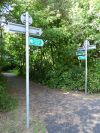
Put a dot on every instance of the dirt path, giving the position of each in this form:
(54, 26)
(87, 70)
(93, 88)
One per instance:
(59, 112)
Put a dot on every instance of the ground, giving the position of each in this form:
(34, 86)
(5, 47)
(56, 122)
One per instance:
(59, 112)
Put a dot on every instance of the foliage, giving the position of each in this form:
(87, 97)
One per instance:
(7, 102)
(14, 71)
(94, 78)
(74, 78)
(68, 79)
(66, 24)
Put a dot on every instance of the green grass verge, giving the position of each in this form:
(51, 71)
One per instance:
(7, 102)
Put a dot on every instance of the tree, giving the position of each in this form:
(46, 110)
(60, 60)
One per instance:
(66, 24)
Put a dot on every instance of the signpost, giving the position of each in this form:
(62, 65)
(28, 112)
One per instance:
(82, 55)
(26, 29)
(36, 41)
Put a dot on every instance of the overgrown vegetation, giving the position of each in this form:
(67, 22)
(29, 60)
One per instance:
(66, 24)
(7, 102)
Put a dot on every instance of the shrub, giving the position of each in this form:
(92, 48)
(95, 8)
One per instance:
(73, 78)
(94, 78)
(68, 79)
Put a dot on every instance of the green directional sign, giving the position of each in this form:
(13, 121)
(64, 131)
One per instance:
(81, 57)
(80, 53)
(36, 42)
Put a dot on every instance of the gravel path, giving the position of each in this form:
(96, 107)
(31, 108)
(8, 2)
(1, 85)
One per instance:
(59, 112)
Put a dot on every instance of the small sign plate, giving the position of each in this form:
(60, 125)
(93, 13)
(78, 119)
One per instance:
(81, 57)
(36, 42)
(80, 53)
(23, 18)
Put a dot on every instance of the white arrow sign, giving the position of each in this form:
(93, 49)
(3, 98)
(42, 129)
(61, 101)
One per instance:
(90, 47)
(13, 27)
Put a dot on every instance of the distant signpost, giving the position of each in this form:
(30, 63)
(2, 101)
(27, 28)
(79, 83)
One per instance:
(36, 42)
(82, 55)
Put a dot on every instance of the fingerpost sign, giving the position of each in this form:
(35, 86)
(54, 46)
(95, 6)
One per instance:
(26, 29)
(36, 42)
(82, 55)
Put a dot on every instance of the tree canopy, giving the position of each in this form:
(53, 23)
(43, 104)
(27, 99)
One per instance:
(66, 24)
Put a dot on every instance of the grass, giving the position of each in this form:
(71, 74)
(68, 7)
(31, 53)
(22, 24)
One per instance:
(15, 122)
(7, 102)
(14, 71)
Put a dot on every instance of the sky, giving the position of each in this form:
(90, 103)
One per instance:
(6, 8)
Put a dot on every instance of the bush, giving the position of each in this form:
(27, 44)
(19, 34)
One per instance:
(8, 67)
(73, 78)
(7, 102)
(68, 79)
(40, 70)
(94, 78)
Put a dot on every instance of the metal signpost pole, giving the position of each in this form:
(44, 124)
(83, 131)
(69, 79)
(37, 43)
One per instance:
(86, 67)
(27, 71)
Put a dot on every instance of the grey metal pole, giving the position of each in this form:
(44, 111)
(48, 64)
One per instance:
(27, 71)
(86, 67)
